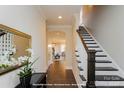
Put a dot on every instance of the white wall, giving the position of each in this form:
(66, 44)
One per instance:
(107, 26)
(28, 20)
(68, 33)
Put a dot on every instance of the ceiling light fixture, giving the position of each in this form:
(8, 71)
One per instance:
(59, 17)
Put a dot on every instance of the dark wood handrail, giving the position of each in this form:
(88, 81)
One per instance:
(91, 60)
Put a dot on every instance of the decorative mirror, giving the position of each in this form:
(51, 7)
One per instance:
(13, 44)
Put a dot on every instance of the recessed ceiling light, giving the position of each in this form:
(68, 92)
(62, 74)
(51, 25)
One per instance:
(60, 17)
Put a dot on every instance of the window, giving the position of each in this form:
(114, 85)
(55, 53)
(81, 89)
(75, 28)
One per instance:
(5, 43)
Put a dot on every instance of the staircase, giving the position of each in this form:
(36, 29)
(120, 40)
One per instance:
(107, 73)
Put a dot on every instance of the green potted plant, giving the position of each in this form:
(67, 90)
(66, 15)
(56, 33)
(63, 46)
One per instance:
(26, 73)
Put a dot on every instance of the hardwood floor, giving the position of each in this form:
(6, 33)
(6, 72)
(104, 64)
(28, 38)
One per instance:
(59, 77)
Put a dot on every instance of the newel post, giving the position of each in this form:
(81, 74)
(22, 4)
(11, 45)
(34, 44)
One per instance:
(91, 69)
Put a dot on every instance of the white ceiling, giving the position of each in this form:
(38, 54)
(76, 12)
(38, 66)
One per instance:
(66, 11)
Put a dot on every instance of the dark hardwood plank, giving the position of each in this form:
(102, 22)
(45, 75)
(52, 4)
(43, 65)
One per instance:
(59, 77)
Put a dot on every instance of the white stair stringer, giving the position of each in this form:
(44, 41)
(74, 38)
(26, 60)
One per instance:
(82, 55)
(82, 83)
(83, 58)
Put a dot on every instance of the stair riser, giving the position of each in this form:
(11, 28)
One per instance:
(108, 73)
(102, 58)
(104, 65)
(90, 42)
(94, 48)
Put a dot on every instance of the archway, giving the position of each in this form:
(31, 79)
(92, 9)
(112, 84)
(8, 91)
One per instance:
(56, 46)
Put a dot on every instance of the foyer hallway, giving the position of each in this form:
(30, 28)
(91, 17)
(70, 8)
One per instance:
(59, 77)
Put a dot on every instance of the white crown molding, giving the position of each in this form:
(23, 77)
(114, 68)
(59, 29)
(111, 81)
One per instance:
(59, 26)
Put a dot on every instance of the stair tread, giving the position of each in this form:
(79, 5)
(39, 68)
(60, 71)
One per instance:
(88, 40)
(97, 50)
(85, 34)
(82, 77)
(106, 69)
(90, 43)
(103, 61)
(78, 61)
(81, 69)
(92, 46)
(108, 78)
(100, 55)
(102, 58)
(77, 55)
(87, 37)
(76, 50)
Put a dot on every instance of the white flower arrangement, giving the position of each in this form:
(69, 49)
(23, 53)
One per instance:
(4, 62)
(29, 60)
(25, 58)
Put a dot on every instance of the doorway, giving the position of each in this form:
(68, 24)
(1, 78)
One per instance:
(56, 46)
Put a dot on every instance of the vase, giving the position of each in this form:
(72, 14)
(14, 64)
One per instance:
(25, 81)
